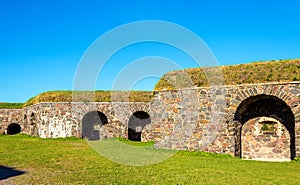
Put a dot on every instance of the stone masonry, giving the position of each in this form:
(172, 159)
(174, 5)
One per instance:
(260, 142)
(221, 119)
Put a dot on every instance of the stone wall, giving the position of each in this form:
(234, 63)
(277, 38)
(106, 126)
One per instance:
(64, 119)
(265, 139)
(9, 116)
(286, 94)
(192, 120)
(211, 118)
(208, 119)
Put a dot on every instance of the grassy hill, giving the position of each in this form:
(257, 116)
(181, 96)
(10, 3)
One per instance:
(89, 96)
(83, 96)
(256, 72)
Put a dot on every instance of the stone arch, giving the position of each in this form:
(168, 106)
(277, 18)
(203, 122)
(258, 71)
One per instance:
(264, 106)
(136, 124)
(13, 128)
(271, 89)
(265, 138)
(140, 107)
(91, 123)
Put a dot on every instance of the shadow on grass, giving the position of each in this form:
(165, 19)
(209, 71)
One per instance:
(7, 172)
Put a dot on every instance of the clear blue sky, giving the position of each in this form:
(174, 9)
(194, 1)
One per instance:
(42, 41)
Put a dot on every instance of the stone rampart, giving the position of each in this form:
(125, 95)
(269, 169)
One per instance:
(210, 119)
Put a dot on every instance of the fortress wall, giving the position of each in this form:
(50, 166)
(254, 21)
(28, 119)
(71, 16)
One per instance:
(52, 120)
(208, 118)
(288, 93)
(193, 119)
(9, 116)
(205, 118)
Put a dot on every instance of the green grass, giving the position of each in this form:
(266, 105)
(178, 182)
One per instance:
(91, 96)
(73, 161)
(256, 72)
(4, 105)
(134, 143)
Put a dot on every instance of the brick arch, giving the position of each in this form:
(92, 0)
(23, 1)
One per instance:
(268, 106)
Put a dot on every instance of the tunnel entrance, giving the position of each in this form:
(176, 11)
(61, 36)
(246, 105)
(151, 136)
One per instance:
(266, 139)
(91, 123)
(13, 128)
(279, 126)
(136, 124)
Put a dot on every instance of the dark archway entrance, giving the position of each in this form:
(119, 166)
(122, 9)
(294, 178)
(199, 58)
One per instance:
(136, 124)
(13, 128)
(264, 106)
(91, 123)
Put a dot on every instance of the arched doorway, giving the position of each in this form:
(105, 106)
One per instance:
(264, 106)
(136, 124)
(91, 123)
(13, 128)
(265, 138)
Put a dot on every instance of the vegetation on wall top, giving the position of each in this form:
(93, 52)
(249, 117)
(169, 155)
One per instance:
(4, 105)
(256, 72)
(91, 96)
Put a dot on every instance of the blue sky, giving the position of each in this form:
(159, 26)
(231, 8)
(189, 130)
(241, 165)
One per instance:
(43, 41)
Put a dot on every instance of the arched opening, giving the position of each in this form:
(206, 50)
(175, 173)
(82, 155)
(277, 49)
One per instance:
(13, 128)
(136, 124)
(91, 123)
(265, 138)
(257, 107)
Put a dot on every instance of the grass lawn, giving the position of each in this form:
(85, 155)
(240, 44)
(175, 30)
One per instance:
(73, 161)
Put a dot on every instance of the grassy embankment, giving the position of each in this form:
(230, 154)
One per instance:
(97, 96)
(256, 72)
